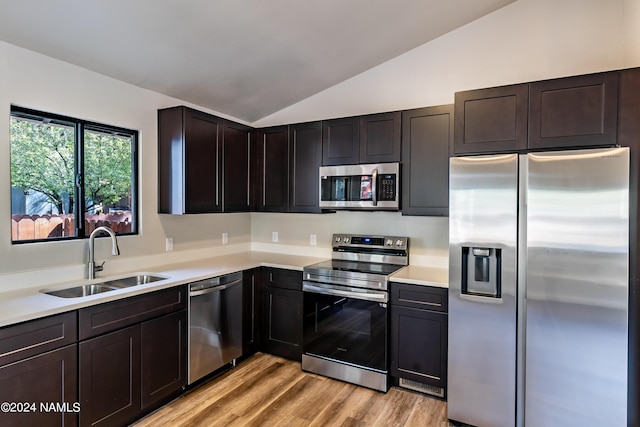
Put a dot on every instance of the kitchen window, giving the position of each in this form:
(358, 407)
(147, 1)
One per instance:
(69, 176)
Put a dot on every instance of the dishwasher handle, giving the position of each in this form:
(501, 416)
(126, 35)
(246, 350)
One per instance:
(214, 288)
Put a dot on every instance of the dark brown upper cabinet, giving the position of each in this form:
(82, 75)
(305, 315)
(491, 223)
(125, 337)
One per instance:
(272, 159)
(380, 137)
(574, 111)
(427, 135)
(189, 161)
(491, 120)
(236, 170)
(341, 141)
(305, 149)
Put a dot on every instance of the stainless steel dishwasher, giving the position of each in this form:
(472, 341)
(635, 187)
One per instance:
(215, 324)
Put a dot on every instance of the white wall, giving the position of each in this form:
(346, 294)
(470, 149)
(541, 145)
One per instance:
(524, 41)
(36, 81)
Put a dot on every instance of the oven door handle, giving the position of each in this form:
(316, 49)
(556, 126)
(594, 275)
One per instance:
(362, 294)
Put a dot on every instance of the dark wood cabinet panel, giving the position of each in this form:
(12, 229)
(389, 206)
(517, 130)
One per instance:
(272, 189)
(37, 336)
(50, 377)
(491, 120)
(574, 111)
(281, 278)
(110, 378)
(189, 151)
(236, 170)
(252, 311)
(341, 141)
(419, 328)
(103, 318)
(163, 354)
(421, 297)
(306, 157)
(427, 135)
(380, 137)
(418, 346)
(282, 313)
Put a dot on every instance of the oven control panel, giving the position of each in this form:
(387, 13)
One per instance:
(379, 242)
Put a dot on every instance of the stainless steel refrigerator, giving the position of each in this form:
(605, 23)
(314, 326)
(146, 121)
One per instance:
(538, 289)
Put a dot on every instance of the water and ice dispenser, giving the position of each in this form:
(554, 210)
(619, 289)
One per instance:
(481, 268)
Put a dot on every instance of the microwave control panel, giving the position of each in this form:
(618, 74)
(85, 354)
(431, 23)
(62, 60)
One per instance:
(387, 187)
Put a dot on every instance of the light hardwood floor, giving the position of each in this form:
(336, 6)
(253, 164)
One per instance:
(266, 390)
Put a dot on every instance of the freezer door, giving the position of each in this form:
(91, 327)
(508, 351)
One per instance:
(577, 288)
(483, 227)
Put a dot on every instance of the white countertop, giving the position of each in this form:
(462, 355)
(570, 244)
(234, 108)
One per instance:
(29, 304)
(426, 276)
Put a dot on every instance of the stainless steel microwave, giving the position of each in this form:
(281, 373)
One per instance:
(367, 187)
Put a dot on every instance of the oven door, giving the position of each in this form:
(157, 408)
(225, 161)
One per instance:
(347, 325)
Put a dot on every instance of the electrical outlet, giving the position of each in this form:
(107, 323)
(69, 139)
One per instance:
(313, 239)
(225, 238)
(274, 236)
(169, 244)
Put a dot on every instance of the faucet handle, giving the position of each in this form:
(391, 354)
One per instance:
(99, 267)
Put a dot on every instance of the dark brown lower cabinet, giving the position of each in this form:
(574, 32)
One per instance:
(163, 349)
(419, 337)
(110, 378)
(41, 390)
(282, 313)
(127, 372)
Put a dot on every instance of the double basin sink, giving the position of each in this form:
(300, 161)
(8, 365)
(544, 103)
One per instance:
(84, 290)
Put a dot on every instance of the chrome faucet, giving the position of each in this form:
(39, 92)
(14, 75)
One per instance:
(115, 251)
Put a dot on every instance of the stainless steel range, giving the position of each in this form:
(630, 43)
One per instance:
(345, 309)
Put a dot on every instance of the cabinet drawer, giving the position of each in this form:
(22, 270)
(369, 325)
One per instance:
(114, 315)
(37, 336)
(418, 296)
(280, 278)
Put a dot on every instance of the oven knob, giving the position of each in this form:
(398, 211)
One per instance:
(346, 239)
(399, 242)
(389, 242)
(338, 239)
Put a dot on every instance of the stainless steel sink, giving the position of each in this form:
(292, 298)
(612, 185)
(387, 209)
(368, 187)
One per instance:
(106, 286)
(140, 279)
(82, 291)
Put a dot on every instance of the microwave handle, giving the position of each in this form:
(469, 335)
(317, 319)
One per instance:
(374, 187)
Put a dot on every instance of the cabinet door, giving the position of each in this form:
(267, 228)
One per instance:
(491, 120)
(341, 141)
(236, 171)
(283, 323)
(419, 345)
(110, 378)
(380, 137)
(44, 379)
(273, 166)
(306, 157)
(251, 311)
(163, 346)
(427, 135)
(202, 151)
(574, 111)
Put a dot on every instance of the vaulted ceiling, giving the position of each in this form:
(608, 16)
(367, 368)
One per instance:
(244, 58)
